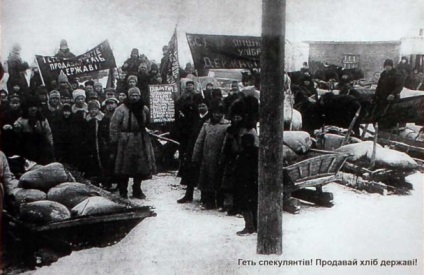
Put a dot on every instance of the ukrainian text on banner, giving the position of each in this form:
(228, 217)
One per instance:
(224, 52)
(99, 58)
(162, 107)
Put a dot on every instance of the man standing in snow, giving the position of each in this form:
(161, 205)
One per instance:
(388, 90)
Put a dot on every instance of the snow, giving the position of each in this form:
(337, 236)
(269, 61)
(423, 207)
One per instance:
(183, 239)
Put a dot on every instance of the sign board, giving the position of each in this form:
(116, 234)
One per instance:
(162, 106)
(97, 59)
(224, 51)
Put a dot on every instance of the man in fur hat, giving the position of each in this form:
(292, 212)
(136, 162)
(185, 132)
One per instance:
(131, 64)
(233, 95)
(134, 155)
(64, 51)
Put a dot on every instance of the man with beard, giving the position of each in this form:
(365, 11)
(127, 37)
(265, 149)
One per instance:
(133, 149)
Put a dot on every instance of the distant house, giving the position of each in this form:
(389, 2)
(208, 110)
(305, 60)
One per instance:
(368, 56)
(413, 48)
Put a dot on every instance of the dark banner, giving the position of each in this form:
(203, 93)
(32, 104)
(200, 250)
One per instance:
(224, 52)
(99, 58)
(162, 107)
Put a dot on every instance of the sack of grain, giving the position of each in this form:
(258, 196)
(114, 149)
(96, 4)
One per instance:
(96, 205)
(43, 212)
(392, 159)
(358, 151)
(70, 193)
(298, 141)
(44, 178)
(29, 195)
(330, 141)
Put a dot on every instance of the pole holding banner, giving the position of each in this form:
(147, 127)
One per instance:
(39, 71)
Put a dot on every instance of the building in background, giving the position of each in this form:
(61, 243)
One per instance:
(368, 56)
(412, 47)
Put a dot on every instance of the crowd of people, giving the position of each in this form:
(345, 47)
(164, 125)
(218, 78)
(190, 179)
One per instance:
(103, 132)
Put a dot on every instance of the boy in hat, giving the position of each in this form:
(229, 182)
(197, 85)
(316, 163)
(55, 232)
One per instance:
(109, 106)
(96, 136)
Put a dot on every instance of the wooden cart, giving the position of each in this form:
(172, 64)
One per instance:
(320, 168)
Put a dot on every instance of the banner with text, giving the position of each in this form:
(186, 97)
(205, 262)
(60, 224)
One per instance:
(162, 107)
(224, 52)
(99, 58)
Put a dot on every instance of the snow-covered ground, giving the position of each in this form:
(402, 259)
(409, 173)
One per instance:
(183, 239)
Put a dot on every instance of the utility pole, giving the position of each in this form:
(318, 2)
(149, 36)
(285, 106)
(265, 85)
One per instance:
(270, 197)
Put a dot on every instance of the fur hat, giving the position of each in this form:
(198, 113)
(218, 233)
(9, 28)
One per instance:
(93, 104)
(98, 84)
(42, 90)
(133, 77)
(154, 67)
(238, 108)
(16, 48)
(209, 84)
(63, 44)
(54, 94)
(77, 93)
(93, 95)
(62, 77)
(190, 81)
(134, 90)
(134, 51)
(388, 62)
(89, 83)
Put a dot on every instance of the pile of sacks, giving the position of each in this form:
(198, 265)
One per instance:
(295, 144)
(50, 194)
(361, 154)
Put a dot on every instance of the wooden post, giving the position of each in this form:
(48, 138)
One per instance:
(272, 121)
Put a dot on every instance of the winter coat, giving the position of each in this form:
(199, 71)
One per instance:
(62, 139)
(77, 126)
(188, 170)
(134, 152)
(54, 117)
(207, 152)
(9, 139)
(390, 82)
(229, 100)
(65, 53)
(231, 148)
(131, 65)
(16, 69)
(96, 145)
(246, 179)
(36, 142)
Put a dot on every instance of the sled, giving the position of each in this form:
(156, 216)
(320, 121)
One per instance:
(76, 233)
(318, 169)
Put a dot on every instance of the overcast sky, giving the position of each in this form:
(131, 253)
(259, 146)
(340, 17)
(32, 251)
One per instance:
(39, 25)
